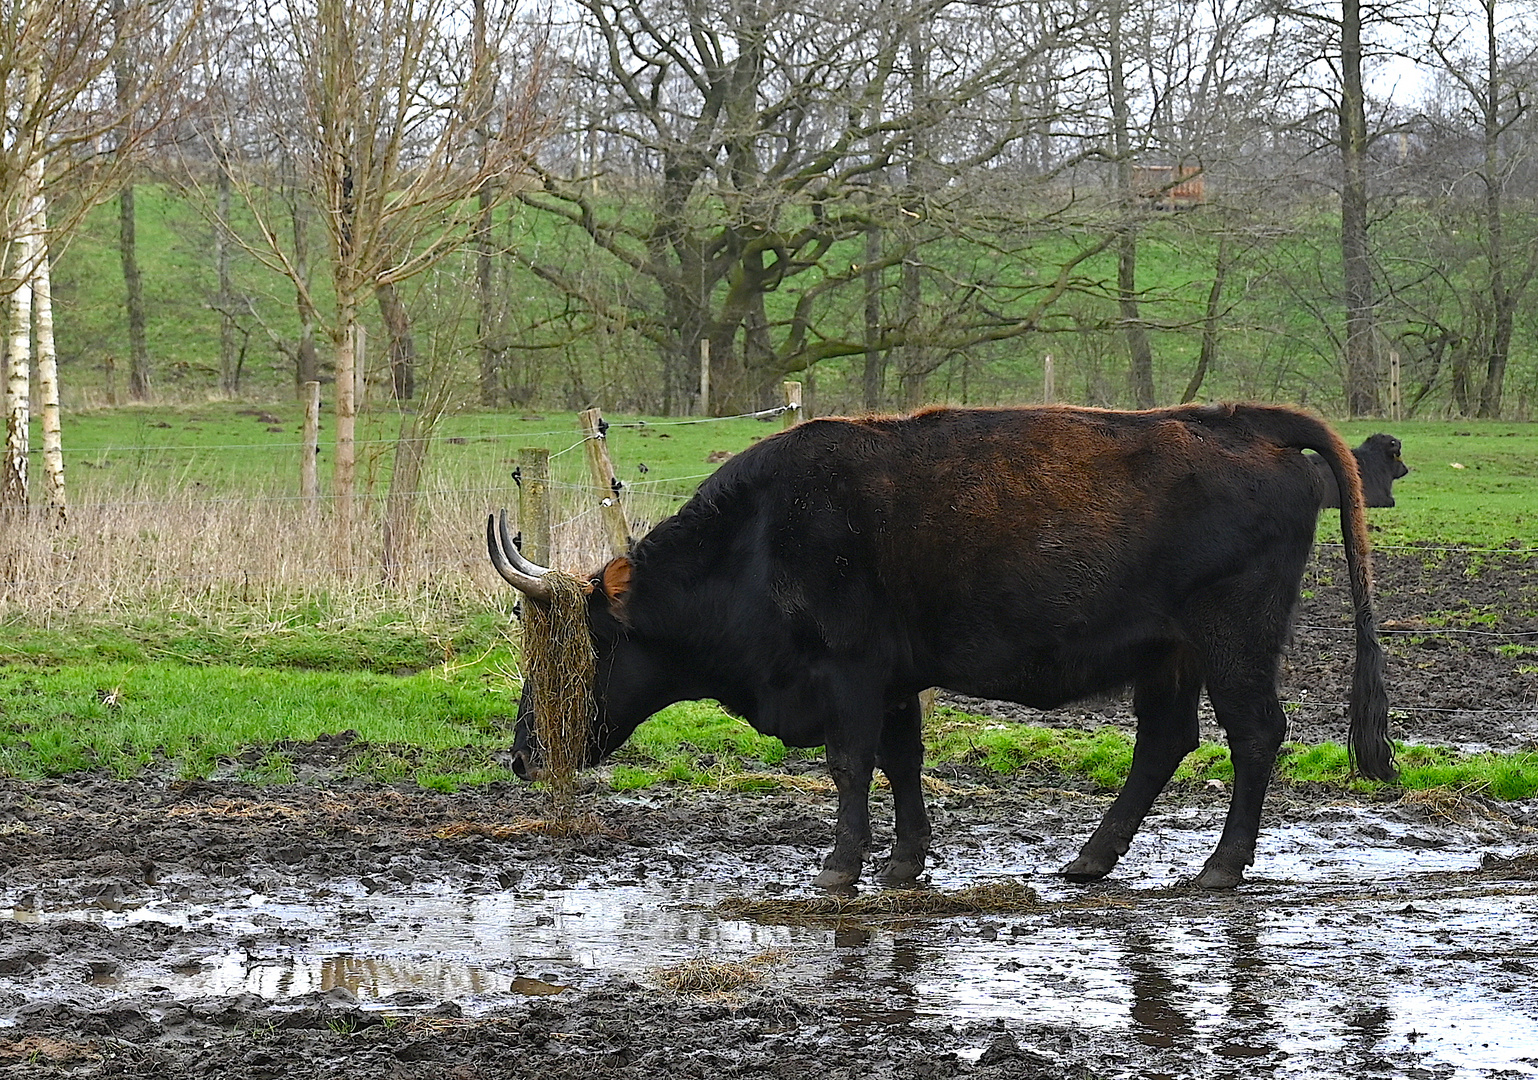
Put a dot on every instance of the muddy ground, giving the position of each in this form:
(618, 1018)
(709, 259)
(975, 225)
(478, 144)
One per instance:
(338, 928)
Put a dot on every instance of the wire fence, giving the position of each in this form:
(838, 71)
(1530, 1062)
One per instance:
(180, 542)
(181, 526)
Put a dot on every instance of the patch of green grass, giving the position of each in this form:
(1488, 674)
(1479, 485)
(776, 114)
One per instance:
(219, 448)
(1497, 776)
(304, 635)
(696, 742)
(1471, 482)
(441, 730)
(1483, 615)
(121, 717)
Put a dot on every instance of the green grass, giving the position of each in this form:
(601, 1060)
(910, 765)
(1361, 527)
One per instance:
(439, 727)
(227, 687)
(1491, 501)
(306, 636)
(225, 447)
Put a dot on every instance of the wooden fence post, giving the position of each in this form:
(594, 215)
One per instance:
(602, 470)
(534, 503)
(792, 414)
(704, 376)
(1048, 381)
(309, 453)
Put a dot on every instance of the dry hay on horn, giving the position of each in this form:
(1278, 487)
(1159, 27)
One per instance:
(1005, 897)
(561, 666)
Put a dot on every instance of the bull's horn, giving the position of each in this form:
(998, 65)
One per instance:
(517, 571)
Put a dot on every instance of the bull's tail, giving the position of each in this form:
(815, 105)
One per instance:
(1372, 752)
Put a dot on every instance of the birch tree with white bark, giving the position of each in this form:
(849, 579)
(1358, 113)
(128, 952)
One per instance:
(56, 110)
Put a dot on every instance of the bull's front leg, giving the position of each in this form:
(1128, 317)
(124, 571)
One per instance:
(851, 759)
(902, 759)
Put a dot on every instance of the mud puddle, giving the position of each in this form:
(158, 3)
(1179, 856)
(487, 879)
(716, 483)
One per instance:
(1361, 937)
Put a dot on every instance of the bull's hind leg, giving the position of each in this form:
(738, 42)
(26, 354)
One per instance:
(1166, 732)
(901, 757)
(1252, 717)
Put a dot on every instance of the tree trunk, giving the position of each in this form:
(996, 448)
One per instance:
(306, 358)
(875, 360)
(1210, 323)
(47, 360)
(486, 307)
(1459, 377)
(1361, 317)
(229, 372)
(403, 348)
(1139, 350)
(139, 381)
(486, 320)
(914, 363)
(1502, 304)
(18, 390)
(25, 247)
(344, 464)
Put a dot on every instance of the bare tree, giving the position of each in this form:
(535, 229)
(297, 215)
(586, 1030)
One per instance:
(125, 83)
(1497, 94)
(1139, 349)
(392, 98)
(749, 144)
(54, 58)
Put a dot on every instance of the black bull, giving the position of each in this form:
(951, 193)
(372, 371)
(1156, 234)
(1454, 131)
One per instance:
(822, 578)
(1378, 461)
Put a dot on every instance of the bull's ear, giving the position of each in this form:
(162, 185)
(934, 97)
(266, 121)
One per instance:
(615, 579)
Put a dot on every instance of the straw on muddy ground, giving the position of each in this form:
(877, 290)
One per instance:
(1457, 805)
(561, 666)
(1522, 867)
(702, 975)
(1005, 897)
(572, 826)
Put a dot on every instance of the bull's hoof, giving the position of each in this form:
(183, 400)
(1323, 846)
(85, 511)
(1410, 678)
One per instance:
(834, 879)
(1085, 869)
(1219, 878)
(899, 870)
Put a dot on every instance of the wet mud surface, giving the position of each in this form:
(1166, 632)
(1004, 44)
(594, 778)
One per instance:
(341, 928)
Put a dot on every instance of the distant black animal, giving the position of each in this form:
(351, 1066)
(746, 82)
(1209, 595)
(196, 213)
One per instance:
(1379, 463)
(823, 577)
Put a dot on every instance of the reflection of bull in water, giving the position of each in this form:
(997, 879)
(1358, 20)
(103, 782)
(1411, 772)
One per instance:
(1379, 463)
(823, 577)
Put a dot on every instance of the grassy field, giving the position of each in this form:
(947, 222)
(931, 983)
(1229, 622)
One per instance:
(1471, 482)
(190, 618)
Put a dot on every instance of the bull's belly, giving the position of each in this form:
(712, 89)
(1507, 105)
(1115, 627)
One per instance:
(1050, 681)
(1043, 694)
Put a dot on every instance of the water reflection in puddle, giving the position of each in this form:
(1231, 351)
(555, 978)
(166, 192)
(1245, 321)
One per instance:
(1356, 969)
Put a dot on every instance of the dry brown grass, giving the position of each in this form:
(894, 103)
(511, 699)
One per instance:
(242, 809)
(259, 554)
(705, 976)
(578, 826)
(1455, 805)
(1005, 897)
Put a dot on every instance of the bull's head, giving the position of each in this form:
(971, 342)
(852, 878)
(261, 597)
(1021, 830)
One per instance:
(625, 690)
